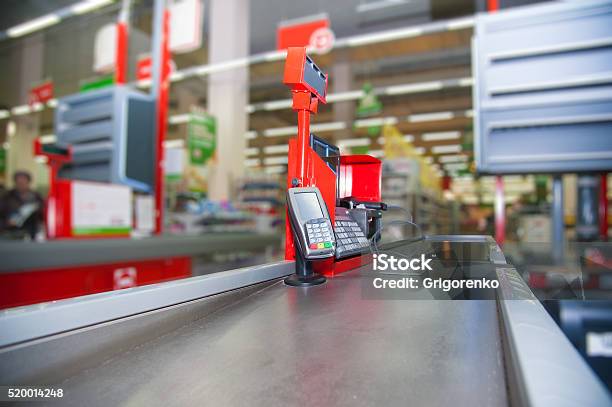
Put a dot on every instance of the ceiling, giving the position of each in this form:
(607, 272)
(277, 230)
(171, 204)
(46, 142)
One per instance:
(431, 57)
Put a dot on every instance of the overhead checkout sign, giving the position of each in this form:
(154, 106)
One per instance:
(543, 89)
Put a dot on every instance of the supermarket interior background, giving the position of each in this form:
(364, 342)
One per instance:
(140, 147)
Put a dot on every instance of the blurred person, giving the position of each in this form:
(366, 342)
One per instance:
(21, 208)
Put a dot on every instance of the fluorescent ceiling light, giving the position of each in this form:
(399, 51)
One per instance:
(455, 166)
(428, 160)
(280, 131)
(466, 82)
(345, 96)
(37, 107)
(276, 149)
(179, 118)
(469, 113)
(453, 148)
(251, 151)
(276, 160)
(419, 150)
(177, 76)
(4, 114)
(252, 162)
(88, 5)
(176, 143)
(429, 117)
(413, 88)
(331, 126)
(33, 25)
(223, 66)
(274, 55)
(442, 135)
(278, 169)
(19, 110)
(461, 23)
(390, 35)
(376, 121)
(354, 142)
(277, 104)
(48, 139)
(407, 137)
(453, 158)
(250, 135)
(202, 70)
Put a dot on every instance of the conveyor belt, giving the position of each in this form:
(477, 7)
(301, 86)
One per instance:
(321, 346)
(273, 345)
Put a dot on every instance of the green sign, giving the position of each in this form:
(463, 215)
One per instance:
(2, 160)
(97, 83)
(360, 150)
(201, 137)
(369, 105)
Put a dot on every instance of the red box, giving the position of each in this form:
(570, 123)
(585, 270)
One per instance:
(360, 178)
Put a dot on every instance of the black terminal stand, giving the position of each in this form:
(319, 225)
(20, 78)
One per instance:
(304, 275)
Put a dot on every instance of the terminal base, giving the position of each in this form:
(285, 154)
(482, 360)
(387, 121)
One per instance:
(304, 275)
(295, 280)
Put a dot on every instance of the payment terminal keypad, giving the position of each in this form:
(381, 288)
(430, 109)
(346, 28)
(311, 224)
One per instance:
(350, 239)
(319, 234)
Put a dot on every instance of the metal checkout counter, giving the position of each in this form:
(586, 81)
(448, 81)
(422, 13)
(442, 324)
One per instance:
(266, 336)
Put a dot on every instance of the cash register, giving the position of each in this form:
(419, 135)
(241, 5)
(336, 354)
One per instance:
(333, 200)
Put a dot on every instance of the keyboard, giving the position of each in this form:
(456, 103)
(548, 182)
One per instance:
(319, 234)
(350, 239)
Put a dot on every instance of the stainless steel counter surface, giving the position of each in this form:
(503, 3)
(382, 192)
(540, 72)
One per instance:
(319, 346)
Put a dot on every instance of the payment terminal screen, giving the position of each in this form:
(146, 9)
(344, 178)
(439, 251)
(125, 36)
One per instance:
(308, 205)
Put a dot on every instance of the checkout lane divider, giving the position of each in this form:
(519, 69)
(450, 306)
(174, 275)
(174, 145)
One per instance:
(23, 324)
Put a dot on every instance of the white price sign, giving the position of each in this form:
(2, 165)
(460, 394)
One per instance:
(100, 209)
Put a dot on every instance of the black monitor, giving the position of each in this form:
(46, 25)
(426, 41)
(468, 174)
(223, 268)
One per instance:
(328, 152)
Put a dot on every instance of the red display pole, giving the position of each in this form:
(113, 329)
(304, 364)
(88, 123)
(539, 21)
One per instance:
(162, 123)
(302, 141)
(305, 104)
(121, 53)
(603, 207)
(121, 50)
